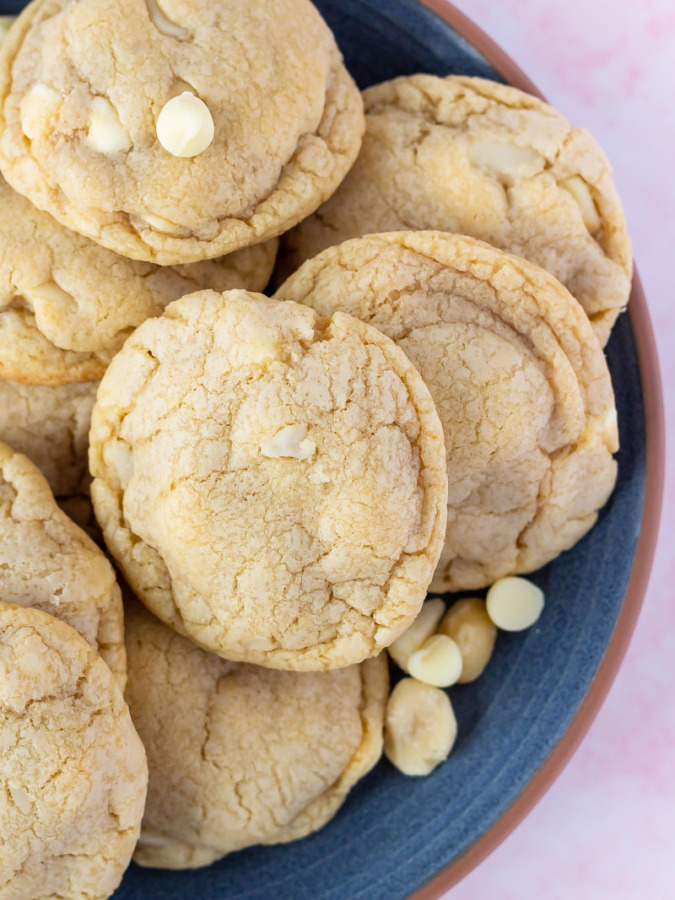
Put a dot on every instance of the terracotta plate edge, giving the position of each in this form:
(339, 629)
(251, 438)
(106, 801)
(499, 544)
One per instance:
(654, 484)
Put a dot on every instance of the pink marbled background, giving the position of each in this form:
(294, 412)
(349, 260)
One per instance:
(606, 829)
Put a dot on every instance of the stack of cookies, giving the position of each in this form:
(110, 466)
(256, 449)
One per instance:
(279, 481)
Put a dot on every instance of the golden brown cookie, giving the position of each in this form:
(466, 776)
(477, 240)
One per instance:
(240, 755)
(272, 484)
(475, 157)
(73, 773)
(174, 132)
(519, 380)
(47, 562)
(50, 425)
(67, 305)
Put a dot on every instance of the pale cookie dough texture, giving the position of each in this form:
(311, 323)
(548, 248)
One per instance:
(272, 484)
(475, 157)
(241, 755)
(73, 773)
(518, 377)
(47, 562)
(67, 305)
(50, 425)
(82, 86)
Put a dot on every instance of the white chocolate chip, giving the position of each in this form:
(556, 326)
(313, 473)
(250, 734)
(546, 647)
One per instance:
(47, 292)
(506, 161)
(159, 223)
(420, 727)
(578, 188)
(318, 476)
(514, 603)
(163, 23)
(260, 352)
(106, 134)
(291, 441)
(438, 661)
(185, 126)
(417, 633)
(6, 23)
(39, 110)
(118, 456)
(19, 795)
(31, 664)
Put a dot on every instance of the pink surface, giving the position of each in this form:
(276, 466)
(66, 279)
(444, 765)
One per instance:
(606, 829)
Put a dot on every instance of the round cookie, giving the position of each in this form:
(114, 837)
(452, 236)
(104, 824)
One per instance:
(238, 754)
(174, 132)
(272, 484)
(50, 425)
(73, 773)
(47, 562)
(474, 157)
(519, 380)
(67, 305)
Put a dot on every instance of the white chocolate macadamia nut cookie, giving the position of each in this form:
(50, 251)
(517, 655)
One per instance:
(67, 305)
(50, 425)
(474, 157)
(238, 754)
(271, 483)
(520, 383)
(173, 132)
(73, 773)
(47, 562)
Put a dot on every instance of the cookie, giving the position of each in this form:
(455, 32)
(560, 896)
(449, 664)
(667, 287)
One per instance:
(475, 157)
(47, 562)
(272, 484)
(50, 425)
(6, 23)
(67, 305)
(519, 380)
(73, 773)
(176, 132)
(238, 754)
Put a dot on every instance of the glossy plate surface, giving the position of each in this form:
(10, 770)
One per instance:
(520, 722)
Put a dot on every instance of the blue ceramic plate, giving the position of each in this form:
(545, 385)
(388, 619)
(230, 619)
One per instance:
(396, 833)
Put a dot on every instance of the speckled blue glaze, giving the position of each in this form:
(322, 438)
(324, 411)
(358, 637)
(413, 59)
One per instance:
(394, 833)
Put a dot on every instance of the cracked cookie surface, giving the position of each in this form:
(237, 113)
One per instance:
(50, 425)
(272, 484)
(238, 754)
(82, 86)
(73, 773)
(67, 305)
(518, 377)
(48, 563)
(474, 157)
